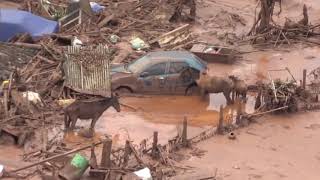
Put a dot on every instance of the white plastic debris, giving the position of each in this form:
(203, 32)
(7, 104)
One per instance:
(96, 7)
(32, 97)
(1, 170)
(144, 174)
(76, 42)
(138, 44)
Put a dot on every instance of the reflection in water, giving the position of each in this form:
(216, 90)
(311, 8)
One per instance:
(159, 113)
(172, 109)
(77, 137)
(262, 66)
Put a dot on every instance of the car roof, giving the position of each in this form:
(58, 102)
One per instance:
(171, 54)
(186, 56)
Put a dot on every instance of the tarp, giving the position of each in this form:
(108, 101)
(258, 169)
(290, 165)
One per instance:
(96, 7)
(15, 21)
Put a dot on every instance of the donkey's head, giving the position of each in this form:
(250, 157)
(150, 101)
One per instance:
(115, 102)
(233, 78)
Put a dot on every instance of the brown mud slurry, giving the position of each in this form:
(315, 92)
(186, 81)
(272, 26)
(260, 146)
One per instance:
(76, 138)
(172, 109)
(163, 114)
(277, 147)
(282, 147)
(9, 156)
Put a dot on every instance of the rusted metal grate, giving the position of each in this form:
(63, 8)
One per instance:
(87, 70)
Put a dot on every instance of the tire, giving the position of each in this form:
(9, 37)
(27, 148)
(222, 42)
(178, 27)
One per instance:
(123, 91)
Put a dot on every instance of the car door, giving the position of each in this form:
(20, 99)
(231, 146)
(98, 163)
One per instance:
(175, 83)
(153, 78)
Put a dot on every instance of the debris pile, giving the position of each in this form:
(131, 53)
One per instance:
(266, 30)
(278, 94)
(149, 159)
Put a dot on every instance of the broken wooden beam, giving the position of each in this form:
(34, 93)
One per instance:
(27, 45)
(106, 152)
(127, 152)
(55, 157)
(266, 112)
(154, 152)
(133, 150)
(220, 123)
(304, 79)
(238, 117)
(184, 133)
(105, 20)
(6, 102)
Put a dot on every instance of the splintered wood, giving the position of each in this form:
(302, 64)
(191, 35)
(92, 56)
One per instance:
(266, 29)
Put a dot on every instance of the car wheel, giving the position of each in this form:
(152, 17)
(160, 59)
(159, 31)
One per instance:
(123, 91)
(193, 91)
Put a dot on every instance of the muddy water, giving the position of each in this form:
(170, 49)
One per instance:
(160, 113)
(296, 60)
(9, 156)
(164, 113)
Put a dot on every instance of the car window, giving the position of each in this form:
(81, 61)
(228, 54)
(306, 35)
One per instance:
(157, 69)
(138, 65)
(177, 67)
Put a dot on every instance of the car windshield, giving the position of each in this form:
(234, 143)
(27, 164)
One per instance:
(137, 65)
(203, 63)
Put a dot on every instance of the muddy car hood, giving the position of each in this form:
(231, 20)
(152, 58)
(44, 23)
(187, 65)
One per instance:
(119, 68)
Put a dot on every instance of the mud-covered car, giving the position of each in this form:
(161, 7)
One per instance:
(156, 73)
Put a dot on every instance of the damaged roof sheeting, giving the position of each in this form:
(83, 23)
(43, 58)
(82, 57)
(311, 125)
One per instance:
(14, 21)
(12, 57)
(87, 70)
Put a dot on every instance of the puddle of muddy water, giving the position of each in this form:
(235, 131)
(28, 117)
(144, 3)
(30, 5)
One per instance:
(131, 126)
(160, 113)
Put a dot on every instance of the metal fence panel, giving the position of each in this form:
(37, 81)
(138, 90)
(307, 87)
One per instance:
(87, 70)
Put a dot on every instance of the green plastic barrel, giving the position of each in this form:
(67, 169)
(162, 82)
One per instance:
(75, 168)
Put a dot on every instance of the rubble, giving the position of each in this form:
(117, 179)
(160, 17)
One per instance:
(265, 29)
(215, 53)
(44, 74)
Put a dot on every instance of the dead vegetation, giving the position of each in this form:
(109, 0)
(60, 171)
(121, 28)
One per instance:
(265, 29)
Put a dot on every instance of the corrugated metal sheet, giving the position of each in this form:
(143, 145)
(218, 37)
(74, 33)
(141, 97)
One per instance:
(87, 70)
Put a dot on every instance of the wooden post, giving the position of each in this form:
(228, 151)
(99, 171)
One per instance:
(6, 102)
(127, 151)
(93, 162)
(184, 132)
(220, 125)
(106, 152)
(258, 100)
(54, 157)
(154, 152)
(304, 80)
(93, 158)
(238, 118)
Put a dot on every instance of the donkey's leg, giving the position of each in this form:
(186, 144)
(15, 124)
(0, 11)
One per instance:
(66, 121)
(203, 94)
(93, 123)
(73, 120)
(233, 94)
(227, 96)
(244, 96)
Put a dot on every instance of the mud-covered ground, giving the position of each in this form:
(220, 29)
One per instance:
(283, 147)
(277, 147)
